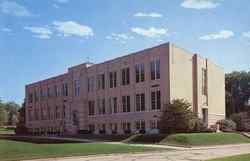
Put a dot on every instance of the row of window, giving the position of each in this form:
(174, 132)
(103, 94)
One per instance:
(125, 76)
(55, 91)
(125, 80)
(126, 104)
(46, 114)
(139, 126)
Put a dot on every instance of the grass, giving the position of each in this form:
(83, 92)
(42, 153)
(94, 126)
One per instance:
(14, 150)
(204, 139)
(145, 138)
(244, 157)
(6, 131)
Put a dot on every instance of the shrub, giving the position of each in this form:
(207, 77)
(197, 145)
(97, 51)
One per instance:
(200, 126)
(238, 119)
(178, 117)
(227, 125)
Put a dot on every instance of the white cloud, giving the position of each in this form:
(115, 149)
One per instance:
(122, 36)
(246, 34)
(71, 28)
(223, 34)
(150, 32)
(62, 1)
(40, 32)
(5, 29)
(13, 8)
(200, 4)
(119, 37)
(152, 14)
(55, 6)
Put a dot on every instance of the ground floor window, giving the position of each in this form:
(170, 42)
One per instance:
(140, 126)
(126, 127)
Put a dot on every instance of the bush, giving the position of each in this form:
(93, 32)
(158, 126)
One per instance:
(200, 126)
(145, 138)
(227, 125)
(178, 117)
(238, 119)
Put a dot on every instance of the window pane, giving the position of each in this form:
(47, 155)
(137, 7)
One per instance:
(153, 100)
(157, 69)
(152, 68)
(158, 99)
(142, 102)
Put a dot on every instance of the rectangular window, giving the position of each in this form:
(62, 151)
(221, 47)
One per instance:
(140, 102)
(56, 91)
(204, 82)
(126, 127)
(140, 125)
(101, 81)
(48, 93)
(156, 100)
(77, 87)
(30, 97)
(155, 69)
(126, 103)
(125, 76)
(36, 96)
(91, 105)
(91, 84)
(65, 89)
(139, 73)
(112, 79)
(101, 106)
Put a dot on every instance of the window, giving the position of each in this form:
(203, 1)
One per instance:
(204, 82)
(139, 73)
(77, 87)
(41, 95)
(112, 79)
(30, 115)
(156, 100)
(112, 105)
(48, 92)
(125, 76)
(140, 125)
(30, 97)
(65, 89)
(75, 118)
(102, 129)
(113, 128)
(56, 91)
(126, 127)
(36, 96)
(126, 103)
(100, 81)
(140, 102)
(91, 84)
(155, 69)
(101, 106)
(92, 128)
(91, 105)
(57, 112)
(154, 124)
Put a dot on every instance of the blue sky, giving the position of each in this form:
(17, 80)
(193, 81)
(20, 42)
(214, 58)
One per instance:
(42, 38)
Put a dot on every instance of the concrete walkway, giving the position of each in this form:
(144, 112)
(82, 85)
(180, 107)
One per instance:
(191, 154)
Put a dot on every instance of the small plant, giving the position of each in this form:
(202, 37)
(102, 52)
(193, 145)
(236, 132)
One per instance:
(178, 117)
(227, 125)
(238, 119)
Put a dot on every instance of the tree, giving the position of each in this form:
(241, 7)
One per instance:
(178, 117)
(12, 109)
(3, 116)
(237, 92)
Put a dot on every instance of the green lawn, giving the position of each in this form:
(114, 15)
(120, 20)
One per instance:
(245, 157)
(204, 139)
(6, 131)
(13, 150)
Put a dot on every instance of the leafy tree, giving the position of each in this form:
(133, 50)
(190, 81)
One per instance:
(8, 113)
(237, 92)
(178, 117)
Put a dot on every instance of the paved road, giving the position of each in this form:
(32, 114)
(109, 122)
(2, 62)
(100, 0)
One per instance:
(197, 154)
